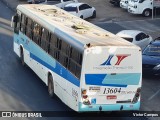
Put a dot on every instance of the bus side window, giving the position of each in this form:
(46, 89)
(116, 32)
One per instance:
(76, 56)
(69, 51)
(72, 66)
(78, 71)
(75, 62)
(66, 48)
(80, 56)
(63, 59)
(53, 40)
(37, 34)
(23, 24)
(53, 47)
(29, 27)
(45, 40)
(58, 43)
(54, 52)
(65, 53)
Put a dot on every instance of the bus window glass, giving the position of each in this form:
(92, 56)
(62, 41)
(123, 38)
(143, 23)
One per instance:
(37, 34)
(64, 47)
(53, 40)
(63, 59)
(45, 40)
(76, 56)
(29, 26)
(72, 66)
(54, 52)
(78, 71)
(23, 24)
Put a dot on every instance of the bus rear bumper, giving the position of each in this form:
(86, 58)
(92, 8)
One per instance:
(109, 107)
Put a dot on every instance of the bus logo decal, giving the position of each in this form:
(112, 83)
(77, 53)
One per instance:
(120, 58)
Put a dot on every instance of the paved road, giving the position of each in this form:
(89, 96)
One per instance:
(150, 26)
(22, 90)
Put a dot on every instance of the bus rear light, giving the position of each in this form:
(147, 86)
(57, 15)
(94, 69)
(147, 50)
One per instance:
(86, 102)
(84, 92)
(85, 96)
(136, 96)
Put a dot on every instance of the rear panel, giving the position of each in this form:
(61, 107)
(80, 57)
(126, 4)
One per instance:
(111, 79)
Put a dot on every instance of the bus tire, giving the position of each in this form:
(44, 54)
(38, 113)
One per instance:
(50, 85)
(147, 13)
(22, 56)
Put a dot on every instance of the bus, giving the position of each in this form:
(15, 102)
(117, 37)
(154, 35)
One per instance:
(87, 67)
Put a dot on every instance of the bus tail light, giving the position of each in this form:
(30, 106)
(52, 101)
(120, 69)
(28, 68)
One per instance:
(136, 96)
(85, 98)
(84, 92)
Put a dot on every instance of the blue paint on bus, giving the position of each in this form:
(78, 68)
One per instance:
(42, 57)
(117, 80)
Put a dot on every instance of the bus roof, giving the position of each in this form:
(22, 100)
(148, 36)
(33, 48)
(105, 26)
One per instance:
(76, 30)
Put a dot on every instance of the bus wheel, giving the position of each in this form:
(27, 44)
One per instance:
(147, 12)
(22, 56)
(50, 86)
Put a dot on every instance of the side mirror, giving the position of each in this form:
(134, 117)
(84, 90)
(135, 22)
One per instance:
(14, 20)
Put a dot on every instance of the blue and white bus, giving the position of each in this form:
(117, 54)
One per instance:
(88, 68)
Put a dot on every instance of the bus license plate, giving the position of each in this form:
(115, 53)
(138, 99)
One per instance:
(111, 97)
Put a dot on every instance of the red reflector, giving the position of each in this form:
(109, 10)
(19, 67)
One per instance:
(109, 97)
(85, 96)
